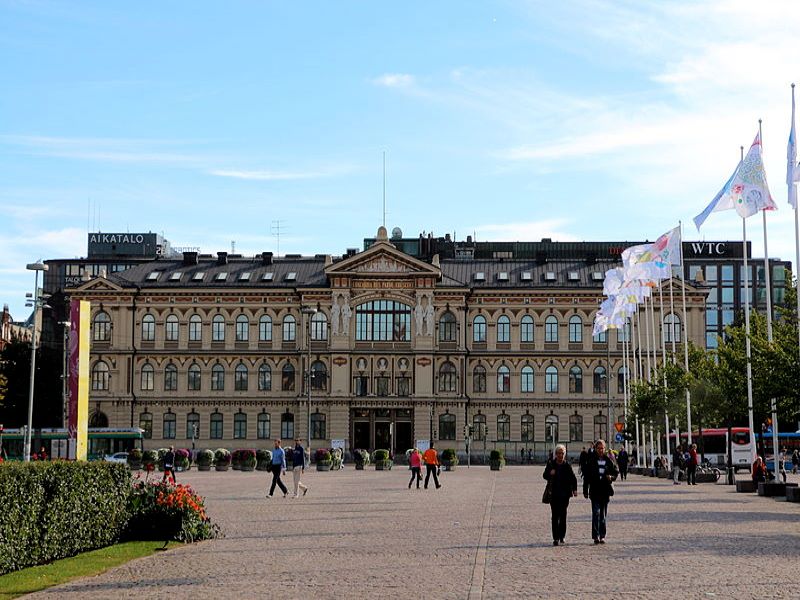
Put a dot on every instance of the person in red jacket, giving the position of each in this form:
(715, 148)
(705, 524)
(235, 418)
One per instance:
(431, 458)
(415, 462)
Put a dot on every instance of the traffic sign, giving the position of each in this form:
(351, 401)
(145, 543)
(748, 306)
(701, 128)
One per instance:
(618, 437)
(619, 427)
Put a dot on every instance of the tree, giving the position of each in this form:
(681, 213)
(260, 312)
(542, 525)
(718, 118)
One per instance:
(15, 370)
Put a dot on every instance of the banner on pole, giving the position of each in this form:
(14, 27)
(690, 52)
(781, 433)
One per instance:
(78, 413)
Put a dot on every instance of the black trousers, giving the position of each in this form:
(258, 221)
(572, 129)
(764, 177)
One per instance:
(623, 472)
(415, 474)
(558, 521)
(431, 469)
(691, 472)
(276, 480)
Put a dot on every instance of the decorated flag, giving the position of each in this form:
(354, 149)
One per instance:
(653, 261)
(746, 191)
(792, 170)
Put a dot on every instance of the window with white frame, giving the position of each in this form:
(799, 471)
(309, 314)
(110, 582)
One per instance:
(265, 329)
(551, 329)
(503, 330)
(242, 328)
(526, 330)
(218, 328)
(171, 329)
(148, 328)
(479, 329)
(551, 380)
(526, 379)
(195, 328)
(575, 329)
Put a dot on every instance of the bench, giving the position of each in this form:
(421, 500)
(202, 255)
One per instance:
(793, 494)
(746, 486)
(774, 488)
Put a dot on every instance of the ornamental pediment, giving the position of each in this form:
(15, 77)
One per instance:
(98, 284)
(382, 264)
(382, 259)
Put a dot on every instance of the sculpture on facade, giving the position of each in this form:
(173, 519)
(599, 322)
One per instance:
(335, 311)
(346, 314)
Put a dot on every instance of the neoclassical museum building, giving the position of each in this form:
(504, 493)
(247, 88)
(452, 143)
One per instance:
(218, 350)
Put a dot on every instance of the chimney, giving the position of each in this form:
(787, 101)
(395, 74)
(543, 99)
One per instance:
(266, 258)
(222, 258)
(328, 260)
(189, 258)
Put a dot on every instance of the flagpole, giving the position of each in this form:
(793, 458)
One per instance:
(747, 342)
(664, 363)
(626, 329)
(647, 339)
(639, 344)
(672, 310)
(685, 344)
(638, 445)
(791, 169)
(653, 330)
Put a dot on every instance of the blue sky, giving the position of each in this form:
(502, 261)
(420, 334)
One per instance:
(208, 121)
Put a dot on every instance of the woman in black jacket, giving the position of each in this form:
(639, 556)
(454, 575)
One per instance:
(601, 471)
(563, 486)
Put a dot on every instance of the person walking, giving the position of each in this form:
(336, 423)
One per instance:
(691, 466)
(677, 463)
(431, 458)
(415, 462)
(795, 460)
(782, 464)
(622, 463)
(597, 485)
(299, 468)
(563, 485)
(169, 465)
(278, 467)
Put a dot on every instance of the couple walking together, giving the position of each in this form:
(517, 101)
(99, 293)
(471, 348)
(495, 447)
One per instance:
(431, 460)
(598, 473)
(278, 468)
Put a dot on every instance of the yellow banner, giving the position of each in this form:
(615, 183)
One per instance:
(83, 381)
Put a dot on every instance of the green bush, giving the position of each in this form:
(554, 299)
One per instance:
(380, 455)
(150, 457)
(323, 456)
(222, 456)
(135, 456)
(448, 454)
(496, 455)
(263, 455)
(52, 510)
(247, 457)
(204, 457)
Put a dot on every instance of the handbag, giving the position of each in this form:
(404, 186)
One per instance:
(547, 496)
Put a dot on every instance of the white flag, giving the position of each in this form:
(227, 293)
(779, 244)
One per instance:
(792, 170)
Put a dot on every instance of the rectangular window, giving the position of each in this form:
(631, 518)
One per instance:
(146, 423)
(170, 380)
(195, 331)
(171, 331)
(503, 428)
(382, 386)
(216, 426)
(575, 430)
(403, 386)
(218, 330)
(361, 386)
(263, 426)
(318, 429)
(169, 426)
(240, 426)
(711, 273)
(527, 429)
(287, 426)
(192, 426)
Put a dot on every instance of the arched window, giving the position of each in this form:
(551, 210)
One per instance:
(287, 426)
(287, 378)
(170, 378)
(447, 378)
(264, 378)
(447, 327)
(599, 381)
(171, 329)
(551, 330)
(148, 375)
(194, 377)
(526, 330)
(98, 419)
(318, 426)
(672, 328)
(216, 422)
(575, 428)
(240, 378)
(319, 329)
(479, 427)
(503, 379)
(169, 425)
(240, 426)
(217, 377)
(479, 329)
(600, 427)
(148, 328)
(101, 327)
(479, 379)
(503, 330)
(447, 427)
(503, 428)
(575, 380)
(383, 321)
(146, 423)
(551, 380)
(218, 328)
(264, 426)
(527, 428)
(289, 329)
(242, 328)
(265, 329)
(601, 338)
(319, 377)
(551, 429)
(195, 328)
(575, 329)
(100, 376)
(192, 426)
(526, 379)
(621, 375)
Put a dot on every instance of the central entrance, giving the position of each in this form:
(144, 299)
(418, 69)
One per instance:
(382, 428)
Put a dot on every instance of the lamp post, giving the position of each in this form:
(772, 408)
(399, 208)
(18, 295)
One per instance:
(37, 266)
(309, 312)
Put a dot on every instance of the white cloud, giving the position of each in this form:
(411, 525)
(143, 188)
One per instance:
(268, 175)
(394, 80)
(527, 231)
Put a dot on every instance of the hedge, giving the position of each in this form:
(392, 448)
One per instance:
(52, 510)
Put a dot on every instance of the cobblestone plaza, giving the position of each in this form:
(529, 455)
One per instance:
(363, 534)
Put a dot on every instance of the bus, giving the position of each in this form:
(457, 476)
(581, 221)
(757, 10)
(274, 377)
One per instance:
(790, 441)
(102, 441)
(712, 446)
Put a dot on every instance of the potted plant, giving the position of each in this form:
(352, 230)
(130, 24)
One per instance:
(149, 459)
(337, 457)
(263, 459)
(222, 459)
(449, 459)
(162, 452)
(382, 460)
(204, 459)
(135, 459)
(236, 463)
(323, 459)
(182, 462)
(496, 460)
(247, 459)
(360, 458)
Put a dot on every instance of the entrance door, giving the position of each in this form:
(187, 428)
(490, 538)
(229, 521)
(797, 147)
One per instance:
(383, 435)
(361, 435)
(403, 438)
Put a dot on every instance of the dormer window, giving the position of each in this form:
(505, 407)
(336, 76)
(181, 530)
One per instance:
(221, 276)
(480, 276)
(268, 276)
(291, 276)
(550, 276)
(153, 275)
(573, 276)
(525, 276)
(597, 276)
(176, 276)
(502, 276)
(198, 276)
(245, 276)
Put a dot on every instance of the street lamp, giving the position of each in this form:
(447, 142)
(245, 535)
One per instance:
(36, 302)
(309, 312)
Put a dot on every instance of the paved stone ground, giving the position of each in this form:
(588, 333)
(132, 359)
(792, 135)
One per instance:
(363, 534)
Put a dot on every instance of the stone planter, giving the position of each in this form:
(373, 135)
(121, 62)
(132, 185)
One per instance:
(449, 465)
(495, 465)
(236, 467)
(263, 466)
(323, 466)
(203, 467)
(221, 467)
(360, 466)
(247, 468)
(383, 465)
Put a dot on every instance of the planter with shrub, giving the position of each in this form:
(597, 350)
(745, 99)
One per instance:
(204, 460)
(149, 460)
(496, 460)
(183, 459)
(222, 459)
(236, 463)
(337, 457)
(361, 459)
(135, 459)
(247, 460)
(263, 459)
(382, 460)
(323, 459)
(449, 459)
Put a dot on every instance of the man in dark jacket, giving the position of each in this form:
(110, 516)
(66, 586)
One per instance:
(582, 460)
(169, 465)
(600, 472)
(622, 463)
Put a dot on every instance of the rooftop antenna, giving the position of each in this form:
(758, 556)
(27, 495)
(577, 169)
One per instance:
(384, 188)
(276, 228)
